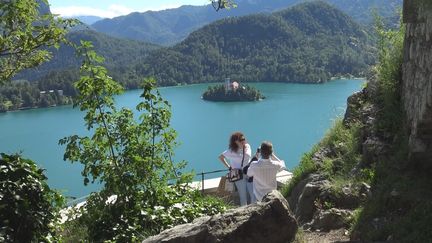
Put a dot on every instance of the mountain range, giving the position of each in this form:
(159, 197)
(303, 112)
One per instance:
(310, 42)
(88, 20)
(170, 26)
(118, 54)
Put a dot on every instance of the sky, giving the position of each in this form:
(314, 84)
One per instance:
(113, 8)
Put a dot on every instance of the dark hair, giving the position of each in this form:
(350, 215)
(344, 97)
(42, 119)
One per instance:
(266, 150)
(237, 136)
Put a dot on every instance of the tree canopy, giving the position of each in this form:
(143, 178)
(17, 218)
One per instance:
(25, 33)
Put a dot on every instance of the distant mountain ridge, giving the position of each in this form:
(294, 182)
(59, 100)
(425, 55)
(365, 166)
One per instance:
(173, 25)
(88, 20)
(310, 43)
(118, 54)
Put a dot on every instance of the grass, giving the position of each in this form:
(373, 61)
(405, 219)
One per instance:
(305, 167)
(344, 142)
(300, 236)
(401, 205)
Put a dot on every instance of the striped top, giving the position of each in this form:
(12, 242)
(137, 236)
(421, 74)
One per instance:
(264, 173)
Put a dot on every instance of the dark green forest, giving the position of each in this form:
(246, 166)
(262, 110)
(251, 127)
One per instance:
(308, 43)
(63, 69)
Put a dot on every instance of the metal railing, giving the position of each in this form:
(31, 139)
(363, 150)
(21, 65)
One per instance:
(203, 174)
(207, 173)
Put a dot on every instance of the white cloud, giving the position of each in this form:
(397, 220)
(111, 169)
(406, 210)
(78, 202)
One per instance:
(113, 10)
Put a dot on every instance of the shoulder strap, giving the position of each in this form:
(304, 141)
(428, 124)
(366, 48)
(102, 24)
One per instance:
(243, 156)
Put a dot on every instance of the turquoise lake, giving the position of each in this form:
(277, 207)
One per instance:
(294, 117)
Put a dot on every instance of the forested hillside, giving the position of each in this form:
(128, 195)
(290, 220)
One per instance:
(173, 25)
(309, 43)
(118, 54)
(62, 70)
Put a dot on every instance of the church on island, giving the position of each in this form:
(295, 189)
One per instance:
(232, 91)
(231, 85)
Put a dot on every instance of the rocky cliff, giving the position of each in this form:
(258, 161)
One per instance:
(417, 78)
(373, 182)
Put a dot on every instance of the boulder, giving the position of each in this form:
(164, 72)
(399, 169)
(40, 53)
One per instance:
(350, 197)
(354, 108)
(331, 219)
(268, 221)
(373, 148)
(303, 196)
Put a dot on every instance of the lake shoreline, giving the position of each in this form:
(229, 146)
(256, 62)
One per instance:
(299, 115)
(183, 85)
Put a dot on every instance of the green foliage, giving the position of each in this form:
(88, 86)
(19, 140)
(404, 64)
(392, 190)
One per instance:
(120, 56)
(145, 213)
(305, 167)
(401, 204)
(25, 30)
(23, 95)
(132, 159)
(28, 207)
(243, 93)
(389, 76)
(223, 4)
(401, 207)
(344, 144)
(63, 69)
(300, 236)
(307, 43)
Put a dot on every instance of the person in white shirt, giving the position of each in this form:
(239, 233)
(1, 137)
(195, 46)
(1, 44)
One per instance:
(264, 171)
(237, 156)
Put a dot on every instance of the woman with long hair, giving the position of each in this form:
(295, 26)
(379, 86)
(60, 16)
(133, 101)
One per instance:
(236, 157)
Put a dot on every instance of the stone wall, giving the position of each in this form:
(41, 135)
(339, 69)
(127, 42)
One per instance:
(417, 78)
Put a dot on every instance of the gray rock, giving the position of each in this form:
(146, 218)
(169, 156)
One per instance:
(354, 107)
(417, 81)
(372, 150)
(268, 221)
(304, 195)
(331, 219)
(348, 198)
(319, 156)
(293, 198)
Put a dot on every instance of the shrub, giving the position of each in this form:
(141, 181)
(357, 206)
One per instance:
(28, 207)
(306, 167)
(344, 143)
(132, 158)
(389, 76)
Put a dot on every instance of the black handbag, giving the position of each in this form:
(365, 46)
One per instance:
(245, 169)
(236, 174)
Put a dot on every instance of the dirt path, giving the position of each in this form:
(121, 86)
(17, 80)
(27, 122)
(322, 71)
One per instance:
(340, 235)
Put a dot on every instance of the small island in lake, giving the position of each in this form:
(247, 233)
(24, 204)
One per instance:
(232, 91)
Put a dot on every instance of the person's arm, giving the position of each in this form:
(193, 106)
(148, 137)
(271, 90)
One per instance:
(251, 170)
(248, 151)
(224, 161)
(281, 162)
(274, 157)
